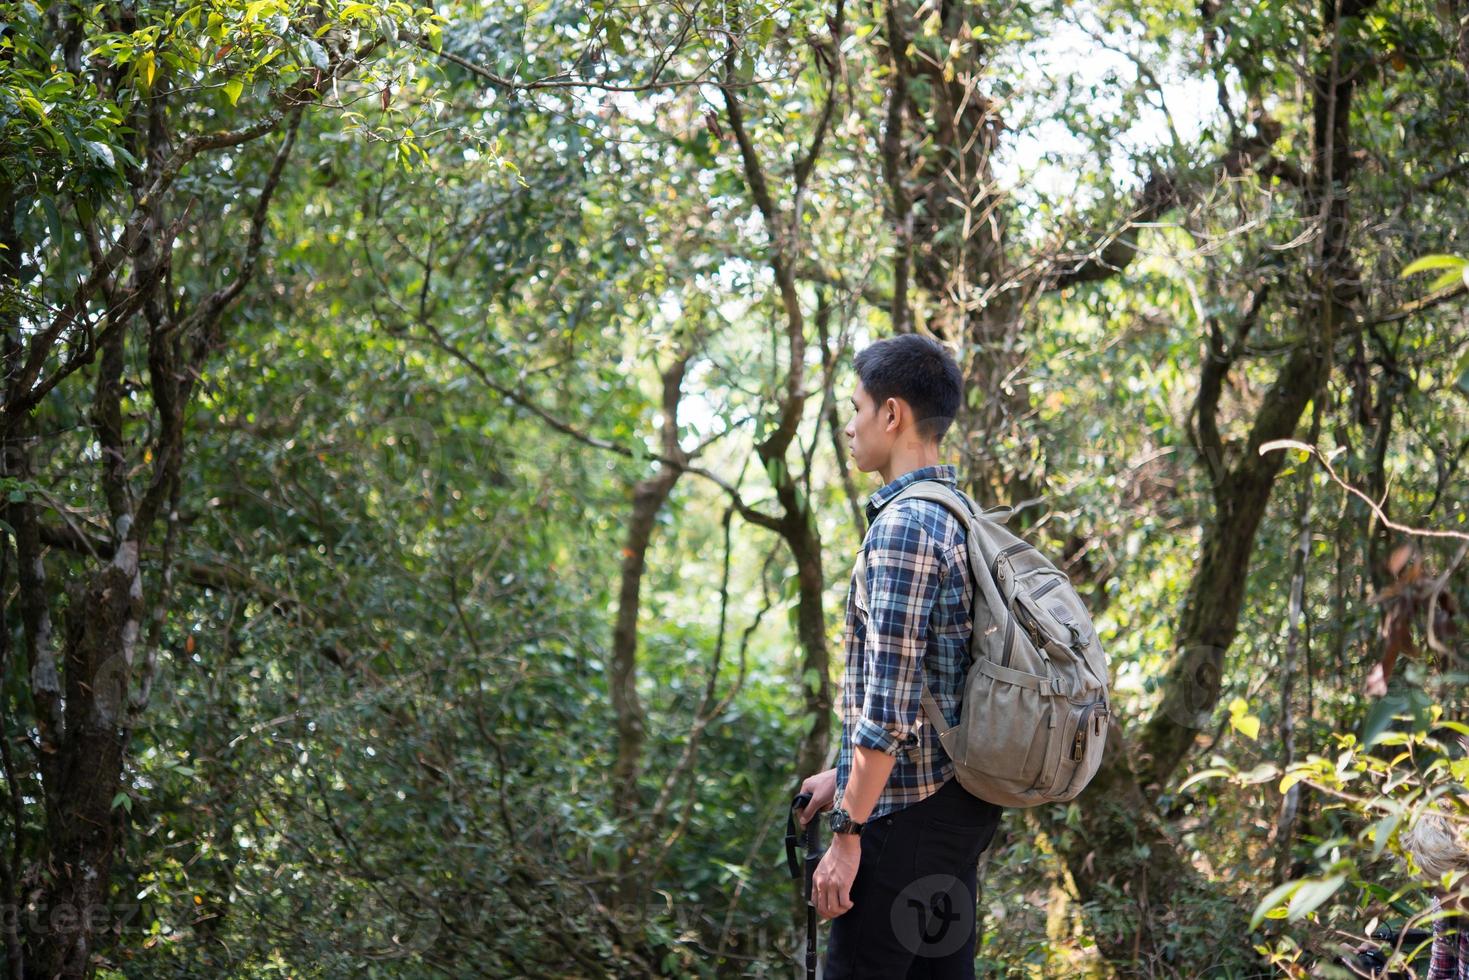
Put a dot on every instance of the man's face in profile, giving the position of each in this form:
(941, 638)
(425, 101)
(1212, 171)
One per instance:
(866, 433)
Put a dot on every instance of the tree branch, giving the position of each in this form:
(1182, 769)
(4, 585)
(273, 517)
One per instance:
(1412, 307)
(747, 512)
(791, 402)
(1217, 363)
(23, 394)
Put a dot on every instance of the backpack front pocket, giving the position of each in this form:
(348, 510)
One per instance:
(1009, 734)
(1084, 733)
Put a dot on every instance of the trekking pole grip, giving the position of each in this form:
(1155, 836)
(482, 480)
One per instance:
(795, 837)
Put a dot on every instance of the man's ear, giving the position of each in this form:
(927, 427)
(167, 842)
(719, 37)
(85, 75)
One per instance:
(890, 409)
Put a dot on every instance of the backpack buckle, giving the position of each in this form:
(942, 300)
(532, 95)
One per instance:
(913, 747)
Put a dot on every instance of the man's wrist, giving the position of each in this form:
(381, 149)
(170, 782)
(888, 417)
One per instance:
(843, 824)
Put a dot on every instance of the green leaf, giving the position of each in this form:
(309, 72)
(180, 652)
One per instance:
(232, 90)
(1380, 716)
(1270, 901)
(1264, 771)
(1311, 894)
(1296, 444)
(1199, 777)
(317, 54)
(53, 220)
(101, 152)
(1433, 262)
(1246, 725)
(1450, 278)
(1382, 832)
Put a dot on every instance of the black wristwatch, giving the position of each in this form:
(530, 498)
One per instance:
(841, 822)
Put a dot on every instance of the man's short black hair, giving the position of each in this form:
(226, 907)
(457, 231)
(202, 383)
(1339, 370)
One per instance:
(920, 371)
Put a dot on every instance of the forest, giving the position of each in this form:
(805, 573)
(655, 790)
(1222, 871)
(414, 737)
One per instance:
(427, 515)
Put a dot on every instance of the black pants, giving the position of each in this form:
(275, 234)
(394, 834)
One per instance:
(913, 900)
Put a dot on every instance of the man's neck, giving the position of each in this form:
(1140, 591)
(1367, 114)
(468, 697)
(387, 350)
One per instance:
(907, 460)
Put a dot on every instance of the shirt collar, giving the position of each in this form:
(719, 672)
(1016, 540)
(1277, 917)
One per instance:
(943, 472)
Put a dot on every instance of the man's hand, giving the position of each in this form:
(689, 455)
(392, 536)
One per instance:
(831, 886)
(823, 789)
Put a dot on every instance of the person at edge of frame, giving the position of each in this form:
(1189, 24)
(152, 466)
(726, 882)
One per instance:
(898, 881)
(1439, 844)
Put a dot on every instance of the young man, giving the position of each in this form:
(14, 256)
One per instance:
(898, 880)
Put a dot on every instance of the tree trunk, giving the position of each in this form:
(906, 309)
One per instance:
(649, 495)
(951, 245)
(1142, 897)
(101, 630)
(83, 738)
(1211, 612)
(1210, 616)
(796, 523)
(805, 544)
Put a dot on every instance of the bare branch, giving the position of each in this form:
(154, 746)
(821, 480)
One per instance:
(747, 512)
(1420, 304)
(1217, 363)
(1374, 505)
(562, 82)
(793, 398)
(1116, 250)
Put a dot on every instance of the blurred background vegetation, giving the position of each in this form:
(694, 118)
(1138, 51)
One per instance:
(426, 519)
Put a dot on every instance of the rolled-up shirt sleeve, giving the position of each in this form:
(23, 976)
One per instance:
(903, 574)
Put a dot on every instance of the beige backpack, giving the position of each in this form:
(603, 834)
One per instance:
(1034, 714)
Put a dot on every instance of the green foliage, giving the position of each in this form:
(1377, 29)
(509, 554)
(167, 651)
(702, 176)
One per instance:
(379, 740)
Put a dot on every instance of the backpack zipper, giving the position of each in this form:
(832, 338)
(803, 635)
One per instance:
(1032, 627)
(1015, 548)
(1078, 741)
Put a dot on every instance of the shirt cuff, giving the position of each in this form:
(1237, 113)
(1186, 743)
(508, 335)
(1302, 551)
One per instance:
(870, 734)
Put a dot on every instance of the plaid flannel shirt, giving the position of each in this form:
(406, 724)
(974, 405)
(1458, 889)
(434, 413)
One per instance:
(1450, 957)
(914, 628)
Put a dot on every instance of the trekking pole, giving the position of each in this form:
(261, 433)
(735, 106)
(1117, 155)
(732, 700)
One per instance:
(804, 837)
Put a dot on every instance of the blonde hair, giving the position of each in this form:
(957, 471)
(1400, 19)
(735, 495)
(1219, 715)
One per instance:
(1438, 843)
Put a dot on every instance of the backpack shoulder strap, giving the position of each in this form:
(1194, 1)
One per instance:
(964, 509)
(956, 500)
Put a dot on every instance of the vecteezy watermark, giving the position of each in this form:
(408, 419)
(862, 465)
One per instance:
(382, 925)
(1190, 685)
(933, 916)
(36, 918)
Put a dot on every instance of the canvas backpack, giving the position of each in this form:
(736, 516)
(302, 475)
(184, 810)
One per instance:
(1034, 711)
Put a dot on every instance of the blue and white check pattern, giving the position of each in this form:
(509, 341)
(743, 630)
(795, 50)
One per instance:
(915, 627)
